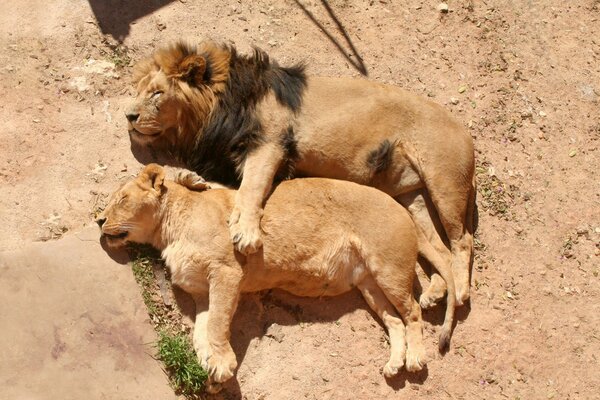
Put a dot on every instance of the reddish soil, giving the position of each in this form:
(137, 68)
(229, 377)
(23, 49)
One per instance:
(524, 76)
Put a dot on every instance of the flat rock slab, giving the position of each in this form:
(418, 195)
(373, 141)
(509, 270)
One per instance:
(73, 325)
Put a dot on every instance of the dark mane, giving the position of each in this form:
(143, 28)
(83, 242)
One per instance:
(233, 129)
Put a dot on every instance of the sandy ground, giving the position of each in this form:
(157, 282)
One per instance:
(524, 76)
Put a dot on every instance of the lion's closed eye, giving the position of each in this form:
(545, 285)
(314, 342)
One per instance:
(122, 199)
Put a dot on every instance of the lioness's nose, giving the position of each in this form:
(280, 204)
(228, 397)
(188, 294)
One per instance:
(100, 221)
(131, 116)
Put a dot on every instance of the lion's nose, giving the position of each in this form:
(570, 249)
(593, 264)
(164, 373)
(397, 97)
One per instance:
(100, 221)
(132, 117)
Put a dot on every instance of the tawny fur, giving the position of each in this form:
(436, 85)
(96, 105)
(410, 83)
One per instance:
(321, 238)
(265, 121)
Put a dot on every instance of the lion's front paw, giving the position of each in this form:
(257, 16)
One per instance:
(245, 235)
(434, 293)
(219, 364)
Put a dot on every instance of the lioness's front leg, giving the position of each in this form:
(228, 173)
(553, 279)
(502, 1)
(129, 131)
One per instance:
(258, 173)
(218, 357)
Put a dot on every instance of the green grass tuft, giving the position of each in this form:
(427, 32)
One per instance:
(174, 348)
(181, 363)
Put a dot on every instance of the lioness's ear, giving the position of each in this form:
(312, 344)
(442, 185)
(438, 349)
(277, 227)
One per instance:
(192, 68)
(153, 177)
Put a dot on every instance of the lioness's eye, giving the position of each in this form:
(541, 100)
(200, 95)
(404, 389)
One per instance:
(121, 199)
(156, 93)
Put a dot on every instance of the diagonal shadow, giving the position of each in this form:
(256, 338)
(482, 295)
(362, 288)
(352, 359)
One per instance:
(358, 64)
(115, 16)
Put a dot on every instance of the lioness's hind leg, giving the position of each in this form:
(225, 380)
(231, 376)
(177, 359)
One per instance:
(395, 281)
(385, 310)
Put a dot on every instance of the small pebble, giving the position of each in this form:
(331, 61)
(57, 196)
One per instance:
(442, 7)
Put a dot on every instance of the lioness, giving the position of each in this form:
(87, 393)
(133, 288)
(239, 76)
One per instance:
(230, 117)
(321, 238)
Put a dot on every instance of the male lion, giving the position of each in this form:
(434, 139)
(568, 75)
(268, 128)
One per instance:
(232, 117)
(321, 238)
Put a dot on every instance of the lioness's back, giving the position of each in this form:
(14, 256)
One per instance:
(311, 206)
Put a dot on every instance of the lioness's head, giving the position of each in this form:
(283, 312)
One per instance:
(176, 90)
(132, 212)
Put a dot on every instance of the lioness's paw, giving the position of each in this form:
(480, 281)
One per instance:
(392, 367)
(246, 237)
(416, 358)
(191, 180)
(213, 387)
(220, 365)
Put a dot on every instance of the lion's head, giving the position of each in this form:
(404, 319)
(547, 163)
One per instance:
(176, 90)
(132, 212)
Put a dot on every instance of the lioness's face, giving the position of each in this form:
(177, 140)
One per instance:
(154, 110)
(132, 212)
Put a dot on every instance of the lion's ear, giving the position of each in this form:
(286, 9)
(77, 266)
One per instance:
(153, 177)
(191, 69)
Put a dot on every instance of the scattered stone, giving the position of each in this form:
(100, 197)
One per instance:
(573, 153)
(526, 114)
(462, 89)
(79, 83)
(542, 114)
(443, 8)
(275, 332)
(454, 100)
(161, 26)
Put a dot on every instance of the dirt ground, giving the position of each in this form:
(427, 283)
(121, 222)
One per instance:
(524, 76)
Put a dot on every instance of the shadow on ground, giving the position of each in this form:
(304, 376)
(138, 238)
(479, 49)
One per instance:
(116, 16)
(257, 312)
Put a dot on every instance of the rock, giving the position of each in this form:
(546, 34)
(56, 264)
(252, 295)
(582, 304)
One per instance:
(462, 89)
(542, 114)
(453, 100)
(526, 114)
(573, 153)
(161, 26)
(275, 332)
(442, 7)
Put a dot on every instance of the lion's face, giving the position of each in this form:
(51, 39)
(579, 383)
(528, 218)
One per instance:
(176, 90)
(132, 212)
(155, 108)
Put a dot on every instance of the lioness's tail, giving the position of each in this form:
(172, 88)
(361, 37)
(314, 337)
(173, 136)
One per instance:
(427, 251)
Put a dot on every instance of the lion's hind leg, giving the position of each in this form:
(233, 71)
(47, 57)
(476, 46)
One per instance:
(386, 311)
(424, 216)
(455, 206)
